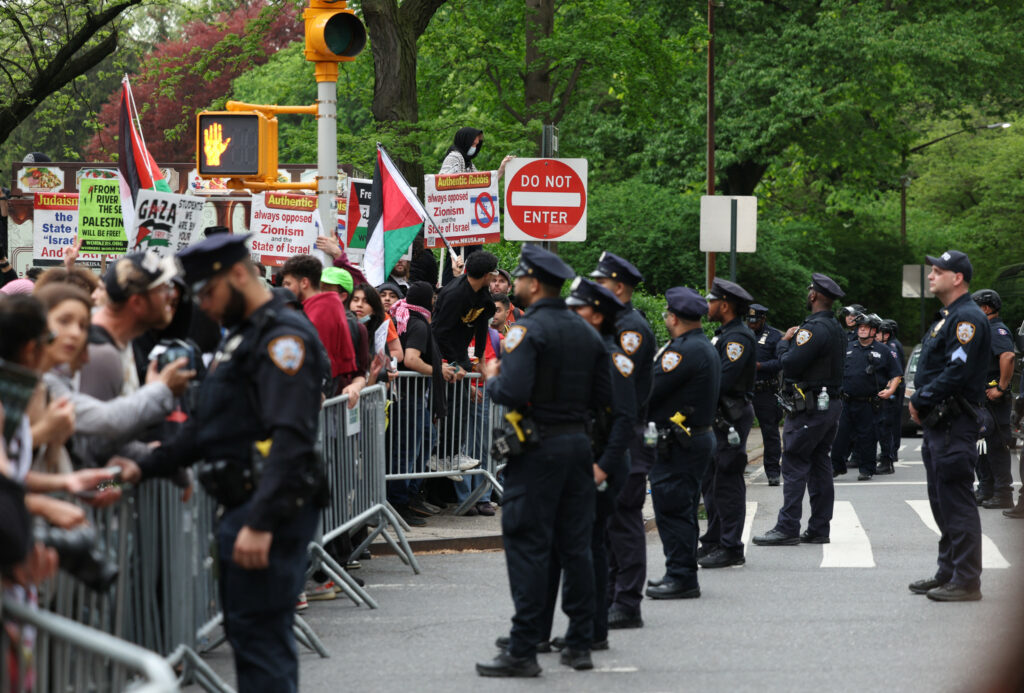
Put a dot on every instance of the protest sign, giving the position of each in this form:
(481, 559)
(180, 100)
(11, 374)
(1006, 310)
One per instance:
(283, 225)
(464, 207)
(164, 222)
(54, 224)
(100, 223)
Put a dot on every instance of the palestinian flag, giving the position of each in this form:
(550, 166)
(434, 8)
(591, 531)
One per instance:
(396, 216)
(138, 169)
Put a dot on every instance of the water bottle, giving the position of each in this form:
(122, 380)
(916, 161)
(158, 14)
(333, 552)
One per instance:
(603, 486)
(823, 400)
(733, 437)
(650, 435)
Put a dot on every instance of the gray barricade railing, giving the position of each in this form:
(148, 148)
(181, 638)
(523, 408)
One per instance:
(420, 449)
(99, 659)
(352, 444)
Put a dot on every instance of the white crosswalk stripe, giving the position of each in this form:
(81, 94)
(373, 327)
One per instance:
(990, 555)
(748, 525)
(850, 546)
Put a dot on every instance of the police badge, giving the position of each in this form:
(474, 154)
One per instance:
(964, 332)
(514, 337)
(623, 364)
(669, 360)
(288, 353)
(802, 337)
(630, 341)
(733, 350)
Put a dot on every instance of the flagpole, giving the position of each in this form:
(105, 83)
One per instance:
(136, 122)
(419, 204)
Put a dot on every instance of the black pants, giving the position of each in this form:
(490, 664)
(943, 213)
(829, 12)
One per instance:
(675, 490)
(725, 490)
(548, 505)
(769, 413)
(994, 475)
(627, 536)
(259, 605)
(806, 466)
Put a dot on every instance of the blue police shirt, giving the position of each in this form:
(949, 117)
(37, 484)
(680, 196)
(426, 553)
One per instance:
(815, 354)
(955, 355)
(867, 369)
(767, 342)
(1002, 342)
(687, 372)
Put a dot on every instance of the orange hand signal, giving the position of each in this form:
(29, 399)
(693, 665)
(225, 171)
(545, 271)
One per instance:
(214, 144)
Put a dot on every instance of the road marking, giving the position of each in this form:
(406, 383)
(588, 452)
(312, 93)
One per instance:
(616, 670)
(909, 464)
(902, 448)
(917, 449)
(755, 475)
(990, 556)
(870, 484)
(850, 546)
(748, 525)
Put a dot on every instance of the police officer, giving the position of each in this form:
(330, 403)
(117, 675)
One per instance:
(687, 372)
(870, 376)
(812, 365)
(894, 405)
(849, 315)
(949, 387)
(725, 490)
(766, 388)
(995, 480)
(554, 374)
(255, 430)
(627, 536)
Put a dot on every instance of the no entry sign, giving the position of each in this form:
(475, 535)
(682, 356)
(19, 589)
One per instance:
(546, 200)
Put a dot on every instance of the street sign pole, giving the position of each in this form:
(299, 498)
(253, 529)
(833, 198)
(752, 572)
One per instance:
(732, 240)
(924, 317)
(549, 150)
(327, 153)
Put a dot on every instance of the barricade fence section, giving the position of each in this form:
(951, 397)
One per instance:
(458, 445)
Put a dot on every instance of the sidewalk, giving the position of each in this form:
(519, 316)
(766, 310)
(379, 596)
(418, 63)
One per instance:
(447, 533)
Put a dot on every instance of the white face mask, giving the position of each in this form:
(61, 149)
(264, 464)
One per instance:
(365, 318)
(472, 151)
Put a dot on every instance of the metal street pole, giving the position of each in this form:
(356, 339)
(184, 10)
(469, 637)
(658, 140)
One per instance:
(327, 150)
(710, 261)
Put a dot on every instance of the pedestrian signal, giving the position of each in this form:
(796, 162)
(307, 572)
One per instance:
(236, 144)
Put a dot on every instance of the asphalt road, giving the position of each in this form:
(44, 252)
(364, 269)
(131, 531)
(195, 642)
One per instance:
(836, 617)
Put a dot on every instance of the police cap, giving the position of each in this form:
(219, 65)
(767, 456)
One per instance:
(823, 284)
(611, 266)
(954, 261)
(588, 293)
(542, 265)
(686, 302)
(725, 290)
(756, 312)
(211, 256)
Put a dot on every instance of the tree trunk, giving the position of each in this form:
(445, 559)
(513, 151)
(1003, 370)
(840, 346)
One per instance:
(394, 32)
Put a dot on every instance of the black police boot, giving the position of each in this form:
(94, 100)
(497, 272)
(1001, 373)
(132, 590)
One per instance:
(1018, 511)
(863, 477)
(923, 586)
(672, 589)
(774, 480)
(998, 502)
(507, 666)
(502, 643)
(809, 537)
(577, 659)
(885, 467)
(981, 496)
(722, 558)
(838, 471)
(774, 537)
(953, 593)
(619, 617)
(702, 551)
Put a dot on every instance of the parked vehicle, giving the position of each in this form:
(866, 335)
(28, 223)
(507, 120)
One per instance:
(907, 424)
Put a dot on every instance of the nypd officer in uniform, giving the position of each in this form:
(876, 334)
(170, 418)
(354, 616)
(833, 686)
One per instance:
(255, 431)
(870, 376)
(894, 406)
(687, 372)
(949, 389)
(766, 387)
(725, 491)
(555, 373)
(995, 480)
(812, 364)
(627, 536)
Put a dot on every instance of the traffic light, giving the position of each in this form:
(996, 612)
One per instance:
(333, 33)
(236, 144)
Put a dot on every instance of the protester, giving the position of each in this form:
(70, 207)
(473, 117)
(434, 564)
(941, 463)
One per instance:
(368, 306)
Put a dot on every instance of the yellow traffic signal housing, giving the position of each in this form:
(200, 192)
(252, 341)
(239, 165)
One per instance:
(236, 144)
(333, 33)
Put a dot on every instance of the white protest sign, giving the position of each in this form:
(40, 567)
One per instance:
(283, 225)
(380, 338)
(164, 222)
(55, 224)
(464, 207)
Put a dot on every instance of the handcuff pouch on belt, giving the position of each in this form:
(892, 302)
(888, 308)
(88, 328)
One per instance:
(677, 431)
(514, 437)
(942, 414)
(793, 399)
(229, 482)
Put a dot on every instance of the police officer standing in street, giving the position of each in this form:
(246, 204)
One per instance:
(870, 376)
(725, 490)
(894, 405)
(949, 389)
(554, 375)
(687, 372)
(766, 388)
(812, 364)
(627, 536)
(995, 480)
(255, 431)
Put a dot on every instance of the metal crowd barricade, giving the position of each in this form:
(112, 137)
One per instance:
(102, 662)
(419, 449)
(352, 443)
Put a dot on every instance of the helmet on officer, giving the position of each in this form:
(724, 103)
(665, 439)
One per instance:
(869, 319)
(988, 297)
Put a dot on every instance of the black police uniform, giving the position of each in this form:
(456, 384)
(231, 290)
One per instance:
(766, 388)
(555, 370)
(895, 405)
(995, 480)
(613, 432)
(955, 355)
(725, 491)
(627, 535)
(263, 385)
(866, 372)
(687, 372)
(811, 361)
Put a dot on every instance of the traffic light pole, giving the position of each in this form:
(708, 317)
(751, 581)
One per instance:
(327, 148)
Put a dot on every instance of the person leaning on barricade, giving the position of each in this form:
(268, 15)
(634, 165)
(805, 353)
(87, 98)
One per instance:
(255, 431)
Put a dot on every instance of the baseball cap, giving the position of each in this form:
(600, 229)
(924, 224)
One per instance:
(137, 273)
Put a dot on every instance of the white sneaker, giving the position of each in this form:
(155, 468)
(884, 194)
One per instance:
(317, 592)
(301, 604)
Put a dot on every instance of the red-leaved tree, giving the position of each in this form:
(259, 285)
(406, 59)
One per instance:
(182, 77)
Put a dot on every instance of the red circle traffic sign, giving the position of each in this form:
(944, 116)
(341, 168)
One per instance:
(546, 199)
